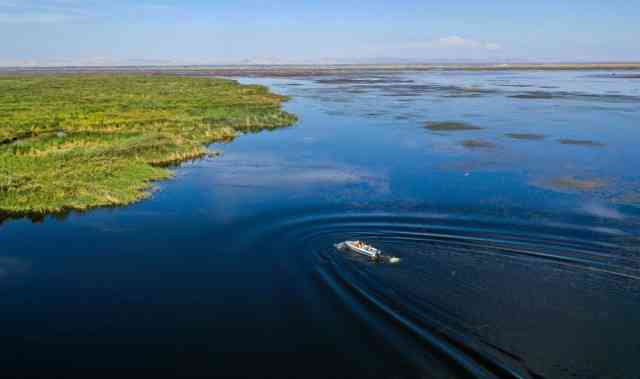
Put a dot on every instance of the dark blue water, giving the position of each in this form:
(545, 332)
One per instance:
(519, 258)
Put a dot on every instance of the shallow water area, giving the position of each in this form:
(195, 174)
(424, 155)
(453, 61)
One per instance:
(512, 263)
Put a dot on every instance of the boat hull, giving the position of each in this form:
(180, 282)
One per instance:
(365, 252)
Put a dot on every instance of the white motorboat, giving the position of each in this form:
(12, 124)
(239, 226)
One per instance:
(364, 249)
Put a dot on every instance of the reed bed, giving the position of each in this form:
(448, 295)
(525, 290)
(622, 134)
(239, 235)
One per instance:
(84, 141)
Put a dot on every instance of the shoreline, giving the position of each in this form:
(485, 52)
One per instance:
(78, 142)
(313, 70)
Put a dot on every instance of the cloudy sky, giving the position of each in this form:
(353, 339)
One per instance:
(219, 31)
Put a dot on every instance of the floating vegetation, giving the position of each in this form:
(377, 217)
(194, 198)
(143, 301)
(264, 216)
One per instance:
(581, 96)
(577, 142)
(412, 90)
(534, 95)
(526, 136)
(82, 141)
(516, 85)
(478, 144)
(614, 75)
(594, 187)
(356, 89)
(573, 183)
(463, 94)
(468, 91)
(360, 80)
(450, 126)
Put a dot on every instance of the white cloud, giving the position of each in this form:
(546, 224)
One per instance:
(240, 170)
(454, 42)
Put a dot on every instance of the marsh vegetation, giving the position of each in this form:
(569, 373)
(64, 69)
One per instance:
(526, 136)
(577, 142)
(450, 126)
(82, 141)
(478, 144)
(573, 183)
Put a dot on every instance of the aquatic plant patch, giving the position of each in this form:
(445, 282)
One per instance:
(450, 126)
(83, 141)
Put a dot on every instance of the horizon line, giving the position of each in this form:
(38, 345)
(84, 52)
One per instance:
(433, 64)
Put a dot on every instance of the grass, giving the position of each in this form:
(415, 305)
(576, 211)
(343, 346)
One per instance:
(84, 141)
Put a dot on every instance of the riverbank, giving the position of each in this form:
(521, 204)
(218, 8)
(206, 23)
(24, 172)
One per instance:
(74, 142)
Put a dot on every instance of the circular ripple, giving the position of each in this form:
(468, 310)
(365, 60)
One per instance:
(484, 294)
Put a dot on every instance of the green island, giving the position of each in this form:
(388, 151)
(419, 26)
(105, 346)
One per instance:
(74, 142)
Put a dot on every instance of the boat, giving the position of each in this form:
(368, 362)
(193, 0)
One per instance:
(364, 249)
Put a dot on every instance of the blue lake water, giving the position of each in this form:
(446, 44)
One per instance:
(519, 242)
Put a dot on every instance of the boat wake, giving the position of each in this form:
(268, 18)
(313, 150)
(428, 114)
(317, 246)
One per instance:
(480, 297)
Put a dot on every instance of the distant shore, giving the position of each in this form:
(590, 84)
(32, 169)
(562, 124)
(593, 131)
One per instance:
(318, 70)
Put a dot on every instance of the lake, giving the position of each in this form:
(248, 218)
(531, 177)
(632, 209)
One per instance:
(518, 235)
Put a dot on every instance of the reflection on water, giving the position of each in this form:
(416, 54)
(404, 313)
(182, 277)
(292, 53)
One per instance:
(11, 265)
(518, 241)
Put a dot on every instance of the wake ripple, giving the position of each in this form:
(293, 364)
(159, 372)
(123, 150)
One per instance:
(465, 289)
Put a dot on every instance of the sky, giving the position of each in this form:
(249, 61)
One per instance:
(113, 32)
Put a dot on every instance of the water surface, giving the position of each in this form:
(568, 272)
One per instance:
(519, 242)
